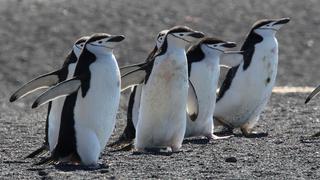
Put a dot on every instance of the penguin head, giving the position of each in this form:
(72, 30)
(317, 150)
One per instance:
(79, 44)
(182, 35)
(161, 37)
(269, 25)
(159, 44)
(210, 44)
(101, 42)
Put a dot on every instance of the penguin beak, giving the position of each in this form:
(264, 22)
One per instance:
(196, 34)
(229, 45)
(282, 21)
(116, 38)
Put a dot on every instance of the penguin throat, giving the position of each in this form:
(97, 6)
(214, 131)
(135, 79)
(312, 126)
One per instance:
(176, 42)
(248, 47)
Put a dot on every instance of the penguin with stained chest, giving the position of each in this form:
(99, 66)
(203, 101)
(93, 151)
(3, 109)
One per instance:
(204, 71)
(55, 107)
(89, 111)
(136, 83)
(247, 87)
(162, 112)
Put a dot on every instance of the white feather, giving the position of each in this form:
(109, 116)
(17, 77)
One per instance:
(162, 116)
(249, 91)
(95, 114)
(204, 76)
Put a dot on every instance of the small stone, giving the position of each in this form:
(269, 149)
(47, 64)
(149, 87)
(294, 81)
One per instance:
(231, 159)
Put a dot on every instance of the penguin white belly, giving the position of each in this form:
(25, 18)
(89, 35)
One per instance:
(249, 91)
(162, 116)
(204, 77)
(136, 105)
(55, 114)
(95, 114)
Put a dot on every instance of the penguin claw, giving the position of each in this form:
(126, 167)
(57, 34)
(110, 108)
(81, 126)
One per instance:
(254, 134)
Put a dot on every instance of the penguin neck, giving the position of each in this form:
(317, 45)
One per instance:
(76, 51)
(266, 33)
(103, 54)
(175, 43)
(255, 39)
(211, 55)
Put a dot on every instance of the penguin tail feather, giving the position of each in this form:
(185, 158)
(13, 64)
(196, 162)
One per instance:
(38, 152)
(47, 161)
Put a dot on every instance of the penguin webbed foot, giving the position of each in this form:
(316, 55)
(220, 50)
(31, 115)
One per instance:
(124, 147)
(124, 139)
(226, 131)
(253, 134)
(215, 137)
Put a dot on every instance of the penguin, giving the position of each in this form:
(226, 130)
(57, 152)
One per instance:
(312, 94)
(134, 100)
(247, 87)
(204, 71)
(54, 108)
(89, 111)
(163, 104)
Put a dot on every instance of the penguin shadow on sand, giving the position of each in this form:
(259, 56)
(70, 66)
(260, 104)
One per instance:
(68, 167)
(129, 147)
(196, 141)
(234, 133)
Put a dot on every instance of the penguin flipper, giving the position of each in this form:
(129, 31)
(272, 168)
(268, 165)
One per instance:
(43, 81)
(62, 89)
(312, 94)
(132, 78)
(192, 103)
(231, 58)
(38, 152)
(125, 69)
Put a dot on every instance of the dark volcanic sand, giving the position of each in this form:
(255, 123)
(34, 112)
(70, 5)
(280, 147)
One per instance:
(36, 35)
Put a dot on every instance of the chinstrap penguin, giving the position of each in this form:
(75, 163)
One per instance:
(89, 111)
(162, 112)
(204, 71)
(129, 132)
(248, 86)
(54, 108)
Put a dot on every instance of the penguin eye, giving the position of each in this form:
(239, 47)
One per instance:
(160, 38)
(181, 34)
(99, 42)
(81, 45)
